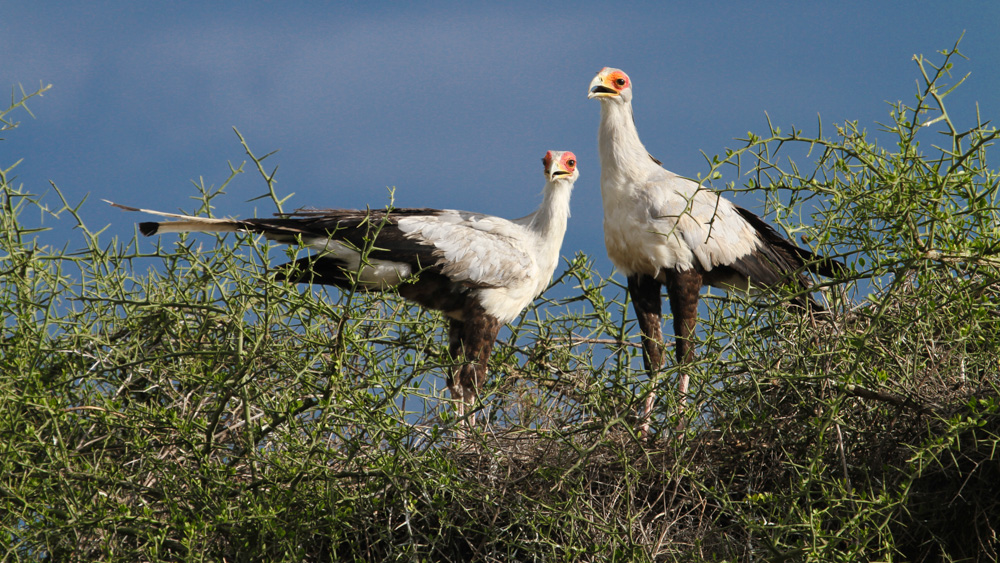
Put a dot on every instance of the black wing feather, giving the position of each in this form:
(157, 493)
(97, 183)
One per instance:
(375, 230)
(787, 255)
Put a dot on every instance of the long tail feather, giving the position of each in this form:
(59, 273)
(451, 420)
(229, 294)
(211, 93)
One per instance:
(185, 224)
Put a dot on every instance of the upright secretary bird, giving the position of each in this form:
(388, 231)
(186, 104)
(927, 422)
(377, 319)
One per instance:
(480, 270)
(662, 229)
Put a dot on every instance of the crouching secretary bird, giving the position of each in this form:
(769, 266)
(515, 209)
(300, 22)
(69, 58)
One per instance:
(480, 271)
(662, 229)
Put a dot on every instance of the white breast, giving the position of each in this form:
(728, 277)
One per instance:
(670, 222)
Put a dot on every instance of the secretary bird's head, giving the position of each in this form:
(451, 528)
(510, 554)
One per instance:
(611, 85)
(560, 165)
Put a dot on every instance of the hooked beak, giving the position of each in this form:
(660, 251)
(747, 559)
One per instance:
(556, 172)
(598, 89)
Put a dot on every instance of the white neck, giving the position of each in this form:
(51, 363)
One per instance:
(549, 220)
(548, 224)
(624, 159)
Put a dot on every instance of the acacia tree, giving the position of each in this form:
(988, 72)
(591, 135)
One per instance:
(178, 403)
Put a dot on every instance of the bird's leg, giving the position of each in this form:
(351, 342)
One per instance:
(456, 329)
(645, 293)
(683, 288)
(481, 332)
(473, 339)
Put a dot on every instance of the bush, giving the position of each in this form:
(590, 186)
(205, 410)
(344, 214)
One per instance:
(181, 404)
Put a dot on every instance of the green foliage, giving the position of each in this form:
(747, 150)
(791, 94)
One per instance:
(178, 403)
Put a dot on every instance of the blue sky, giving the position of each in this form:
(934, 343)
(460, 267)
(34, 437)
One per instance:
(453, 105)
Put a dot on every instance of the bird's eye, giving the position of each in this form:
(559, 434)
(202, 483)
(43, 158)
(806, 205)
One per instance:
(571, 163)
(620, 82)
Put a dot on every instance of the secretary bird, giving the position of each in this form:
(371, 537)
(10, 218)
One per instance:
(662, 229)
(481, 271)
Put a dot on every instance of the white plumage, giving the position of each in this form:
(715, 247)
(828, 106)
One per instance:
(509, 261)
(662, 229)
(653, 218)
(480, 270)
